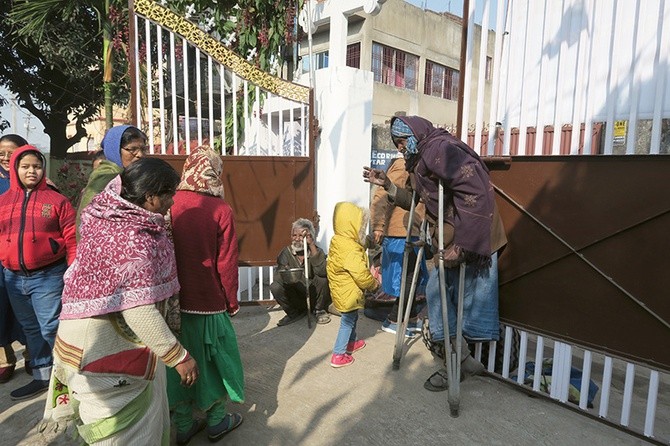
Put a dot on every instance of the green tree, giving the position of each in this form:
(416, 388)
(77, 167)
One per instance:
(52, 81)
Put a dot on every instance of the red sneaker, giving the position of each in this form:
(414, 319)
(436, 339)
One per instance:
(355, 346)
(342, 360)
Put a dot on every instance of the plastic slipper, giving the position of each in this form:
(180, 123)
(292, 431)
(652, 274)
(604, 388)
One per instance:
(230, 422)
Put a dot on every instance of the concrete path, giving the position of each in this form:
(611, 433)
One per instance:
(294, 397)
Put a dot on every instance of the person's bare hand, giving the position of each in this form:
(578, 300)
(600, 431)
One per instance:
(378, 235)
(188, 371)
(453, 256)
(376, 177)
(311, 244)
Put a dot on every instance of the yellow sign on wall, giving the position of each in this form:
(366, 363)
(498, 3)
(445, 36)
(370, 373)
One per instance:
(620, 128)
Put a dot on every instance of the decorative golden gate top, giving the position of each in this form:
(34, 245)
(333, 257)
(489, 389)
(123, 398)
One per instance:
(168, 20)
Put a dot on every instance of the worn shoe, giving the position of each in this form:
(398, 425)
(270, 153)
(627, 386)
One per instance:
(6, 373)
(185, 437)
(469, 365)
(34, 387)
(290, 318)
(355, 346)
(392, 327)
(230, 422)
(322, 317)
(342, 360)
(437, 382)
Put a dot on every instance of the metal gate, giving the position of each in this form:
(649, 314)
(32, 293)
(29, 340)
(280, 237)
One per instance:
(583, 280)
(189, 89)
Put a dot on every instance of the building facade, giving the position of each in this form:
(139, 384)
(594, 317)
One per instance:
(415, 58)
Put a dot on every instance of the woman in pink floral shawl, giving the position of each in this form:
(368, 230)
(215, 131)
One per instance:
(113, 343)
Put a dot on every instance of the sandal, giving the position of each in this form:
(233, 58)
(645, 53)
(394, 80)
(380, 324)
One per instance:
(322, 317)
(230, 422)
(437, 382)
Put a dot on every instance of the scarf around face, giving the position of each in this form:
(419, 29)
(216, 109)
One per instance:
(468, 193)
(401, 130)
(124, 259)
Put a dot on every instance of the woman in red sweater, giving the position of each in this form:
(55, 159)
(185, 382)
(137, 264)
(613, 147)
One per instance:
(206, 249)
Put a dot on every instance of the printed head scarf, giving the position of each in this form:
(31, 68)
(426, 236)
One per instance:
(202, 172)
(401, 130)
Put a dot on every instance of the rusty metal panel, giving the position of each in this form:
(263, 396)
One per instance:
(612, 292)
(267, 194)
(546, 142)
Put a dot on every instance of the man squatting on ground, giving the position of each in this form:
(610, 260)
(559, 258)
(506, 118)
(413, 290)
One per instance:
(292, 297)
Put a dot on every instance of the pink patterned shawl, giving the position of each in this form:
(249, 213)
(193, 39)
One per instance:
(124, 259)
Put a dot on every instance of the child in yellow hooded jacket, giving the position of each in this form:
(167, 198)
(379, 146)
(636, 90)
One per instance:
(348, 277)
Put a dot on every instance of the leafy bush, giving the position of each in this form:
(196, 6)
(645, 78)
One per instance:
(71, 178)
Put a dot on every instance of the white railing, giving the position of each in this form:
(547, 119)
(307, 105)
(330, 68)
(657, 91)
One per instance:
(191, 94)
(255, 283)
(632, 396)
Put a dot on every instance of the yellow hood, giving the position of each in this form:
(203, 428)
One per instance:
(350, 221)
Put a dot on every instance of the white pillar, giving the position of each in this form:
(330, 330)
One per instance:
(337, 50)
(344, 103)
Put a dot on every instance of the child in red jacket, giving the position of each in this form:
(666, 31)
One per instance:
(37, 243)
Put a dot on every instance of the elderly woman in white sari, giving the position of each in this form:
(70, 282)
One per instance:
(113, 342)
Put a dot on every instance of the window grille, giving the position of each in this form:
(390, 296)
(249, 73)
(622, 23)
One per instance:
(441, 81)
(394, 67)
(354, 55)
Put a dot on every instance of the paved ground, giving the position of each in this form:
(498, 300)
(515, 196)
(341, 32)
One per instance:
(295, 398)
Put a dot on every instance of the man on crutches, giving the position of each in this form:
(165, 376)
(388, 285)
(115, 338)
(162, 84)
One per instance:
(472, 234)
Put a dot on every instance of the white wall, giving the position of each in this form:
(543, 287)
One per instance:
(344, 110)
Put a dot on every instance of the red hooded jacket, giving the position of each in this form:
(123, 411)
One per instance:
(37, 228)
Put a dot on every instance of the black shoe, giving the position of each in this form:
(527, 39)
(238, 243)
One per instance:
(290, 318)
(34, 387)
(196, 427)
(6, 373)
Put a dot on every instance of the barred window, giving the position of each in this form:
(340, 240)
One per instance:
(441, 81)
(394, 67)
(354, 55)
(321, 59)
